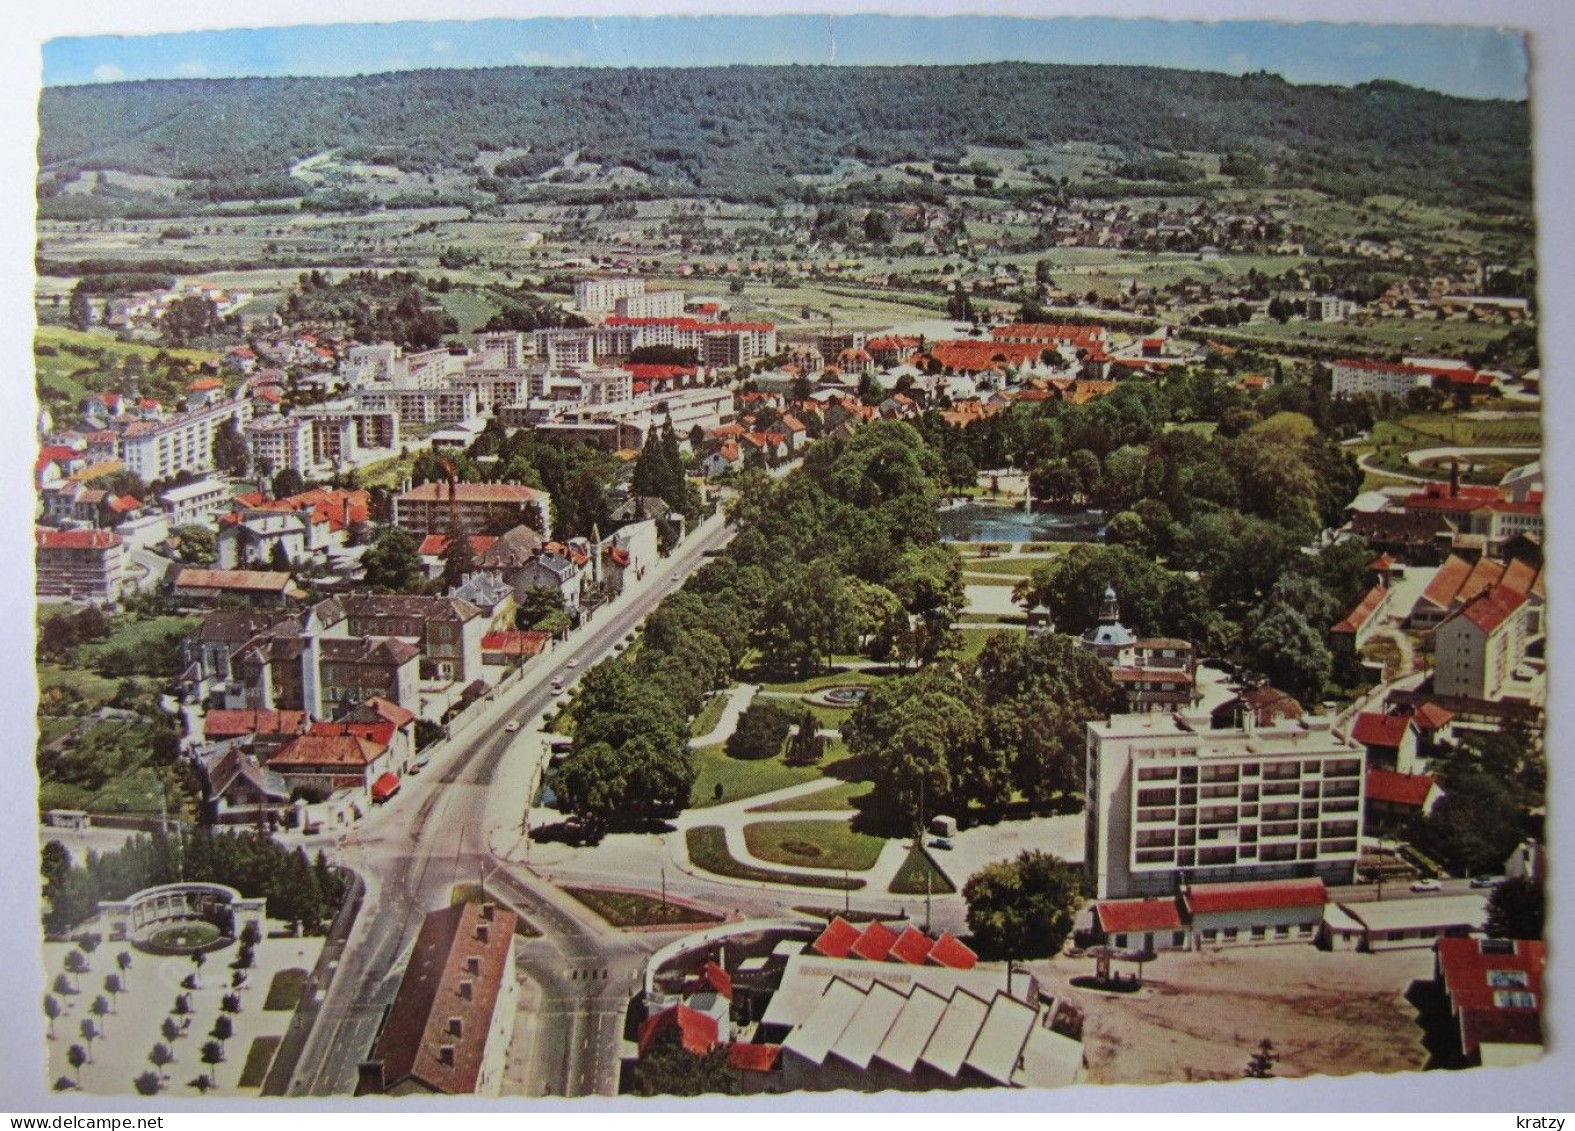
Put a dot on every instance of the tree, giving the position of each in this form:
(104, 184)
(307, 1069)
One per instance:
(202, 1083)
(231, 1003)
(90, 1033)
(100, 1008)
(182, 1004)
(1291, 652)
(123, 960)
(393, 563)
(807, 746)
(1023, 908)
(669, 1069)
(76, 965)
(1261, 1064)
(81, 308)
(51, 1011)
(161, 1056)
(251, 934)
(459, 556)
(223, 1028)
(1516, 910)
(230, 453)
(287, 482)
(198, 961)
(113, 987)
(170, 1029)
(63, 986)
(761, 730)
(148, 1083)
(76, 1056)
(199, 545)
(213, 1055)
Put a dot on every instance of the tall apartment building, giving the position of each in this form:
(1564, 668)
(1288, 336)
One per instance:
(84, 565)
(157, 449)
(1171, 801)
(346, 432)
(504, 349)
(1479, 645)
(480, 508)
(600, 296)
(278, 442)
(653, 304)
(420, 406)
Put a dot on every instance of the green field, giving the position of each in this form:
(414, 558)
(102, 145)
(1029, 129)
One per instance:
(708, 851)
(710, 714)
(839, 796)
(1014, 567)
(832, 845)
(749, 777)
(635, 909)
(258, 1059)
(284, 992)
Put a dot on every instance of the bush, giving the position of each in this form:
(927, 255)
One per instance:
(761, 731)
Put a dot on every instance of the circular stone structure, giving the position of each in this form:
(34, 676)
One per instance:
(182, 918)
(850, 695)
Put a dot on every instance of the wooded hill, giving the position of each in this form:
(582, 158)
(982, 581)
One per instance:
(745, 132)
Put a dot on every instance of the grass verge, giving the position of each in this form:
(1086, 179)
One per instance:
(258, 1058)
(635, 909)
(284, 992)
(832, 845)
(840, 796)
(708, 850)
(910, 878)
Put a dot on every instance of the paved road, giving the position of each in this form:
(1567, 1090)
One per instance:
(432, 836)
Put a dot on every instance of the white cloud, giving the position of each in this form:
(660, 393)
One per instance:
(1238, 61)
(194, 68)
(441, 47)
(108, 72)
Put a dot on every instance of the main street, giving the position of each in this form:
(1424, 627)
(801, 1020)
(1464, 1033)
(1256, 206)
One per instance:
(413, 851)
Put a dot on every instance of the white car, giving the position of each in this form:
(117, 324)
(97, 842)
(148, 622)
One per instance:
(574, 663)
(1427, 885)
(512, 726)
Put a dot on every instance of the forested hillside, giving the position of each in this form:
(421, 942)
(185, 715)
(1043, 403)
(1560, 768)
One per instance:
(746, 132)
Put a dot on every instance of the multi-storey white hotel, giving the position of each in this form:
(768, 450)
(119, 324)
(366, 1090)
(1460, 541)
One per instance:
(1172, 802)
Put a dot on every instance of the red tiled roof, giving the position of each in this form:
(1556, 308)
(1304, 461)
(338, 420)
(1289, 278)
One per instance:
(514, 642)
(875, 943)
(753, 1058)
(125, 504)
(1382, 562)
(328, 750)
(1399, 789)
(1430, 716)
(1374, 728)
(1255, 895)
(391, 711)
(433, 545)
(1363, 611)
(453, 974)
(1081, 336)
(718, 979)
(837, 939)
(1468, 979)
(697, 1031)
(950, 951)
(1124, 916)
(474, 493)
(249, 580)
(381, 733)
(1491, 609)
(76, 539)
(912, 947)
(644, 372)
(219, 724)
(969, 356)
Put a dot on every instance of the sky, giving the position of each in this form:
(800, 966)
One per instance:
(1472, 62)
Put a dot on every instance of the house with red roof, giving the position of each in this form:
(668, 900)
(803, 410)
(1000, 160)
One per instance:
(1141, 924)
(1362, 620)
(1255, 911)
(1478, 646)
(451, 1021)
(82, 565)
(1394, 798)
(322, 763)
(1494, 992)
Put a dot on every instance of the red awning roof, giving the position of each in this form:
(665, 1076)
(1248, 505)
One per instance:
(385, 787)
(1262, 895)
(949, 951)
(837, 939)
(1124, 916)
(913, 947)
(875, 943)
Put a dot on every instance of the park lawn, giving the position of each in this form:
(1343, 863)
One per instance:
(468, 892)
(974, 640)
(862, 677)
(258, 1059)
(829, 718)
(636, 909)
(707, 846)
(1204, 428)
(991, 618)
(391, 472)
(284, 992)
(748, 777)
(839, 796)
(910, 878)
(833, 845)
(470, 308)
(87, 688)
(64, 336)
(1017, 566)
(134, 633)
(710, 714)
(991, 579)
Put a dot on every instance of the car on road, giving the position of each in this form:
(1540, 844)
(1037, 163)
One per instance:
(557, 685)
(1484, 881)
(1427, 885)
(574, 663)
(512, 725)
(942, 842)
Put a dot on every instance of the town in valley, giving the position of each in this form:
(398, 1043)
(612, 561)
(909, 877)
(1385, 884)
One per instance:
(573, 582)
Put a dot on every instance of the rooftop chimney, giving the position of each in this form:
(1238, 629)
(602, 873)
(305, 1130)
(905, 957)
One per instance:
(482, 932)
(466, 989)
(446, 1054)
(473, 964)
(456, 1026)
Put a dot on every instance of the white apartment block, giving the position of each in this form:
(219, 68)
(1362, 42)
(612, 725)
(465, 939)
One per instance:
(159, 449)
(195, 503)
(1171, 801)
(278, 442)
(600, 296)
(502, 349)
(652, 304)
(345, 433)
(372, 364)
(1478, 646)
(420, 406)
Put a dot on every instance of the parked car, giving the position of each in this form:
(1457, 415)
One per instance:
(512, 725)
(574, 663)
(942, 842)
(1427, 885)
(1484, 881)
(557, 685)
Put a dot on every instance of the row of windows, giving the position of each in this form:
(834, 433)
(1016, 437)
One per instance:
(1257, 934)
